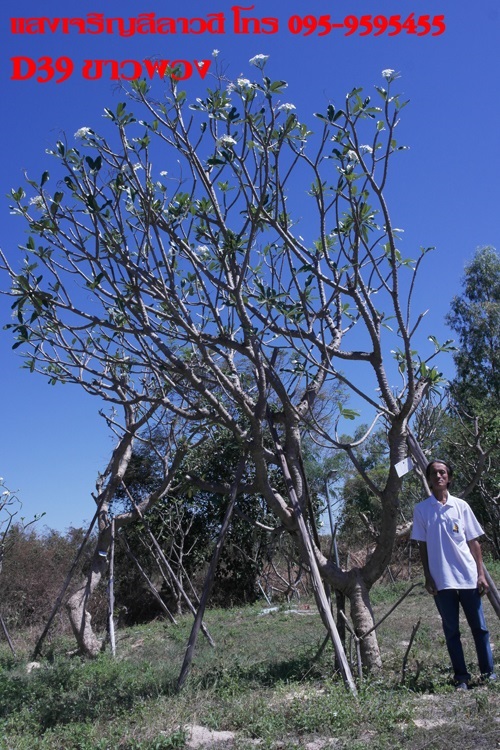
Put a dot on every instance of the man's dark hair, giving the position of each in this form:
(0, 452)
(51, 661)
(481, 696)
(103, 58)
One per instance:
(449, 469)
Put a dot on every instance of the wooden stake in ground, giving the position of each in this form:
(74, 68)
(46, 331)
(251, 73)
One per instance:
(407, 652)
(7, 636)
(148, 581)
(111, 590)
(168, 567)
(318, 587)
(65, 585)
(209, 580)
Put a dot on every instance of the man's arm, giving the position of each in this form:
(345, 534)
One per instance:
(482, 583)
(429, 580)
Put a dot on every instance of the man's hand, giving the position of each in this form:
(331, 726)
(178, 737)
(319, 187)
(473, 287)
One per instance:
(482, 585)
(430, 586)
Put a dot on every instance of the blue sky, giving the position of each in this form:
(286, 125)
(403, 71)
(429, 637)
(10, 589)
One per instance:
(444, 191)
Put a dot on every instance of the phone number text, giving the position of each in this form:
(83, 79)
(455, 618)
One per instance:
(368, 24)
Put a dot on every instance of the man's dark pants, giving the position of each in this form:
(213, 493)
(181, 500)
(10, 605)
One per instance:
(447, 602)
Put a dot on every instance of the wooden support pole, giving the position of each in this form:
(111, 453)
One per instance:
(111, 591)
(7, 636)
(317, 583)
(148, 581)
(168, 566)
(407, 652)
(65, 585)
(209, 580)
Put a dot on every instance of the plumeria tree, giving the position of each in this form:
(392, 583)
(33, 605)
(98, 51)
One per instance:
(224, 263)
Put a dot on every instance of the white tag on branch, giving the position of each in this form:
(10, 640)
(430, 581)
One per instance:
(404, 466)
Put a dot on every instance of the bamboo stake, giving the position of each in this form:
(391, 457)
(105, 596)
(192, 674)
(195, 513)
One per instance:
(111, 590)
(407, 652)
(65, 585)
(168, 566)
(7, 636)
(209, 580)
(149, 583)
(357, 643)
(318, 587)
(408, 591)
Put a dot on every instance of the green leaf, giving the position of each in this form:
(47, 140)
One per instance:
(18, 195)
(347, 413)
(94, 284)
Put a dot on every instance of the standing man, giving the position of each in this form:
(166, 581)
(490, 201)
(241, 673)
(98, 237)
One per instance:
(447, 532)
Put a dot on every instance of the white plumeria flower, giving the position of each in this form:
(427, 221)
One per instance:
(37, 202)
(352, 155)
(215, 53)
(287, 107)
(202, 252)
(390, 75)
(366, 149)
(163, 173)
(137, 167)
(83, 132)
(244, 82)
(226, 140)
(259, 60)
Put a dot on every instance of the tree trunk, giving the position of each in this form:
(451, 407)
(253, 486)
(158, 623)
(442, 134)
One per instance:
(310, 552)
(363, 621)
(352, 585)
(81, 621)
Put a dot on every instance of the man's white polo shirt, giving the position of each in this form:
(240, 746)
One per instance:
(446, 529)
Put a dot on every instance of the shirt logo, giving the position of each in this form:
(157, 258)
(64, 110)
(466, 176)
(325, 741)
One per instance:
(455, 529)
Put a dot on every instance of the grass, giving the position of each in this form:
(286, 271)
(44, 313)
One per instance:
(263, 681)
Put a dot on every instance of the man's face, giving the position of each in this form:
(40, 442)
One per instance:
(438, 476)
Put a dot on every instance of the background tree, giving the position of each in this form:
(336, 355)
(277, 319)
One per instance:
(191, 288)
(13, 528)
(475, 317)
(187, 521)
(473, 441)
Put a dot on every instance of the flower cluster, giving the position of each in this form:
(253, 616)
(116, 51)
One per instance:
(259, 60)
(37, 202)
(83, 132)
(226, 141)
(389, 75)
